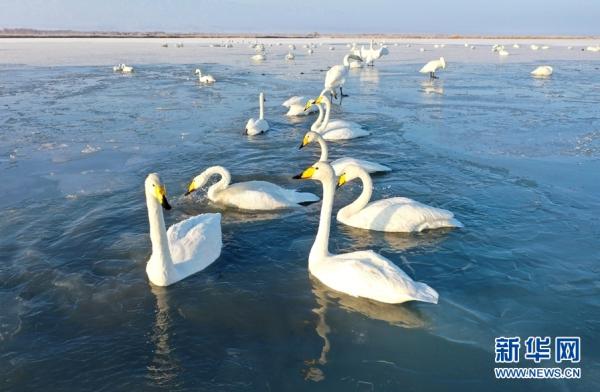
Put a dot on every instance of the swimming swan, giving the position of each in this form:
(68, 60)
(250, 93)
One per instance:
(397, 214)
(542, 71)
(295, 105)
(250, 195)
(341, 163)
(360, 274)
(338, 129)
(256, 127)
(187, 247)
(433, 66)
(206, 79)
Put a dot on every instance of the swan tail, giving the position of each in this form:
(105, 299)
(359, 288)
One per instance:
(455, 223)
(424, 293)
(306, 198)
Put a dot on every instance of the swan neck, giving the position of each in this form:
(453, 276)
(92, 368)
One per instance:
(320, 248)
(323, 125)
(324, 149)
(362, 200)
(346, 63)
(317, 122)
(262, 106)
(161, 255)
(222, 184)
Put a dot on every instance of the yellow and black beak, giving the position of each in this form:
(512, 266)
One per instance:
(341, 180)
(319, 99)
(191, 188)
(308, 173)
(304, 142)
(161, 194)
(308, 105)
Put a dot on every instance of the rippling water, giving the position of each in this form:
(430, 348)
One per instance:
(515, 158)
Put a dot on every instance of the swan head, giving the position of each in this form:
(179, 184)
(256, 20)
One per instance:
(197, 72)
(198, 182)
(156, 189)
(350, 173)
(309, 137)
(320, 171)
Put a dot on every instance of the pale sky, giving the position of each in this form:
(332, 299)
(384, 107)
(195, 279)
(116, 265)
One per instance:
(544, 17)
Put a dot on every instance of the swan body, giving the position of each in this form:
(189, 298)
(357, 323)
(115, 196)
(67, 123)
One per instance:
(397, 214)
(249, 195)
(534, 47)
(336, 75)
(290, 56)
(260, 125)
(516, 46)
(259, 57)
(371, 54)
(340, 164)
(332, 124)
(342, 130)
(503, 52)
(296, 105)
(186, 248)
(363, 274)
(206, 79)
(543, 71)
(310, 51)
(433, 66)
(123, 68)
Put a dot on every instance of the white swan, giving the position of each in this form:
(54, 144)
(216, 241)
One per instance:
(259, 57)
(534, 47)
(123, 68)
(249, 195)
(433, 66)
(256, 127)
(360, 274)
(542, 71)
(397, 214)
(296, 105)
(290, 56)
(341, 163)
(336, 75)
(319, 126)
(186, 248)
(310, 51)
(337, 129)
(503, 52)
(206, 79)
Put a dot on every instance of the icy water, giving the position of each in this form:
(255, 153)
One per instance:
(516, 159)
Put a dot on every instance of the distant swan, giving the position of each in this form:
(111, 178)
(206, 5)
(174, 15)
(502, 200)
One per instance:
(256, 127)
(123, 68)
(363, 274)
(433, 66)
(259, 57)
(397, 214)
(296, 105)
(542, 71)
(339, 164)
(290, 56)
(206, 79)
(187, 247)
(338, 129)
(336, 75)
(249, 195)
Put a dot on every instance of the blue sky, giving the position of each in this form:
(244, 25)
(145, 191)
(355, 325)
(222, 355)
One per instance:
(564, 17)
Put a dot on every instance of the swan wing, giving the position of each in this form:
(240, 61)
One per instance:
(295, 100)
(369, 275)
(430, 67)
(371, 167)
(262, 195)
(195, 243)
(335, 76)
(400, 214)
(344, 133)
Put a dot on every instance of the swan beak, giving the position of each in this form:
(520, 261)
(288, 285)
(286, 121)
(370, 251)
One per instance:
(304, 142)
(191, 188)
(308, 105)
(341, 180)
(319, 99)
(160, 192)
(308, 173)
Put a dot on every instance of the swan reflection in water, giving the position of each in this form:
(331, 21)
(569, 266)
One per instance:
(432, 86)
(395, 315)
(164, 368)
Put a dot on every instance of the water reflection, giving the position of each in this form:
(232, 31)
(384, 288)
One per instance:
(432, 86)
(396, 315)
(369, 75)
(164, 370)
(362, 238)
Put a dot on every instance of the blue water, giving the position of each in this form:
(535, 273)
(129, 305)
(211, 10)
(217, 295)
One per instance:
(515, 158)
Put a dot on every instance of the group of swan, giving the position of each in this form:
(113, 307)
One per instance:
(122, 68)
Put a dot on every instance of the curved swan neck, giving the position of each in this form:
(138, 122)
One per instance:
(158, 234)
(261, 99)
(363, 199)
(323, 125)
(320, 248)
(346, 63)
(222, 184)
(317, 122)
(324, 149)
